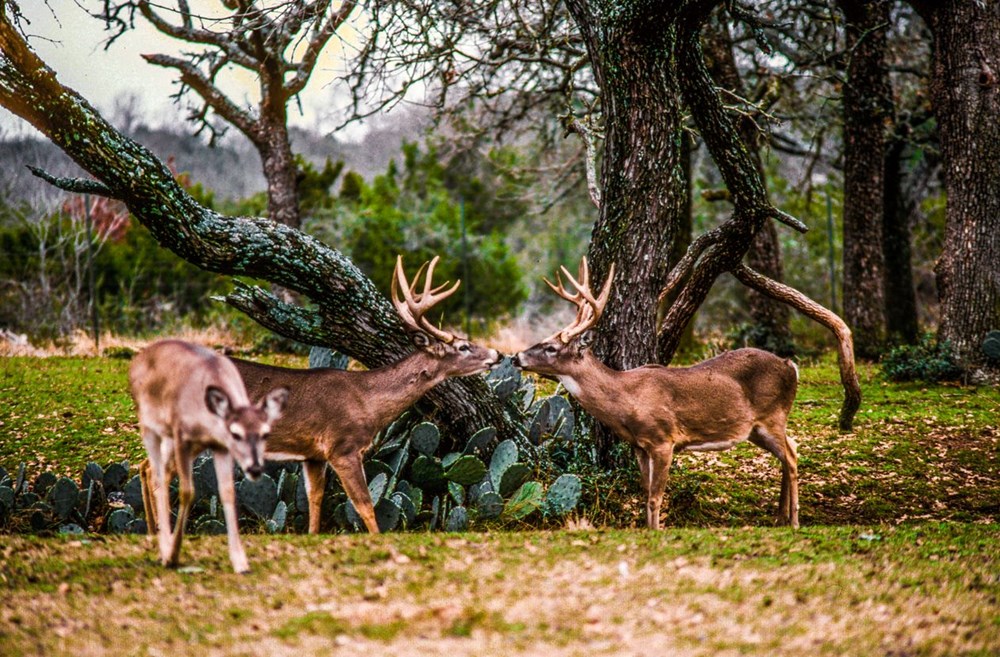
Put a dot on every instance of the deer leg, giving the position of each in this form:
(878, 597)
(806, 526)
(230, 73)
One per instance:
(183, 460)
(351, 471)
(227, 495)
(659, 470)
(147, 482)
(643, 458)
(775, 441)
(160, 457)
(315, 480)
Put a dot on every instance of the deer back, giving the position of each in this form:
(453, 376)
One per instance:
(168, 381)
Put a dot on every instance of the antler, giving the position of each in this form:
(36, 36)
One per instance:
(413, 306)
(588, 309)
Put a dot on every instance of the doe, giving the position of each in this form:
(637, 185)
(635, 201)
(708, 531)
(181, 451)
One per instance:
(189, 398)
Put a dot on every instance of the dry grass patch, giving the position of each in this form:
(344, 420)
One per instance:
(839, 591)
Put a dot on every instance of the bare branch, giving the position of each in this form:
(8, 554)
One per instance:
(203, 86)
(829, 319)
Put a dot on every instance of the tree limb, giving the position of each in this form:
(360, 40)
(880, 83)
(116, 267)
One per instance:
(74, 185)
(829, 319)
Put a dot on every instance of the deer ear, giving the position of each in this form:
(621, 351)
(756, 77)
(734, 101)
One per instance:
(217, 401)
(587, 339)
(274, 403)
(420, 339)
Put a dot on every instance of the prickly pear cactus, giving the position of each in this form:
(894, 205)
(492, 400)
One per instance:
(480, 442)
(428, 474)
(458, 520)
(387, 514)
(133, 494)
(120, 520)
(276, 522)
(63, 497)
(425, 438)
(457, 492)
(503, 457)
(93, 472)
(512, 478)
(408, 512)
(525, 501)
(43, 483)
(505, 379)
(489, 506)
(563, 495)
(260, 497)
(466, 470)
(991, 346)
(115, 477)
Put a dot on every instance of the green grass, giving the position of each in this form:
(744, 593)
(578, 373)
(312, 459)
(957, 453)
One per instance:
(897, 554)
(848, 590)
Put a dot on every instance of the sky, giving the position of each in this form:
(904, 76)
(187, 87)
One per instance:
(72, 44)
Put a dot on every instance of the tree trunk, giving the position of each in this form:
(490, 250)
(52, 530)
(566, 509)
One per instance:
(281, 174)
(769, 316)
(965, 92)
(868, 110)
(641, 177)
(351, 317)
(900, 293)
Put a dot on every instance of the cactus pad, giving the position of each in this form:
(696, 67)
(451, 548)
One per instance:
(425, 438)
(259, 497)
(503, 457)
(525, 501)
(466, 470)
(563, 495)
(120, 520)
(458, 520)
(489, 505)
(63, 497)
(115, 476)
(480, 442)
(512, 478)
(43, 483)
(428, 474)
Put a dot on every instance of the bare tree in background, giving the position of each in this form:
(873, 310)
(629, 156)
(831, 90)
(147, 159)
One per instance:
(279, 44)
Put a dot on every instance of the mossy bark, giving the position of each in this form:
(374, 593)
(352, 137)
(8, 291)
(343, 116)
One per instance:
(868, 112)
(768, 314)
(351, 316)
(965, 93)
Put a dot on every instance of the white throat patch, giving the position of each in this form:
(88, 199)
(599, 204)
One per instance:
(570, 384)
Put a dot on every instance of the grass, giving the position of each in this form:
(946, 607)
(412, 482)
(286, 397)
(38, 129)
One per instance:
(927, 590)
(897, 555)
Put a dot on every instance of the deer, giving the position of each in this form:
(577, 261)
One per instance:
(744, 394)
(188, 398)
(335, 414)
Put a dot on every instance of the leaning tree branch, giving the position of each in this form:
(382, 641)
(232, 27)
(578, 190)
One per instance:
(358, 320)
(829, 319)
(74, 185)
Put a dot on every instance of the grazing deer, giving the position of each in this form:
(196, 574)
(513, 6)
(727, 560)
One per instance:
(188, 399)
(335, 414)
(739, 395)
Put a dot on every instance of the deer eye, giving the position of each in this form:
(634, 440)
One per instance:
(237, 431)
(463, 347)
(551, 350)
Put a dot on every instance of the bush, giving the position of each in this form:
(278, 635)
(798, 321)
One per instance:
(928, 360)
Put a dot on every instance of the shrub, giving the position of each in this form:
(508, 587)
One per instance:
(928, 360)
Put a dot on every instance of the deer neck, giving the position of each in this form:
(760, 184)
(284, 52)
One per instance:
(591, 382)
(399, 385)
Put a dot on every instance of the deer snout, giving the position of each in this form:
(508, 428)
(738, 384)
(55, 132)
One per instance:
(495, 358)
(516, 360)
(255, 471)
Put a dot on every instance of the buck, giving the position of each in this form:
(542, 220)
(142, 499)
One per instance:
(659, 411)
(335, 414)
(188, 399)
